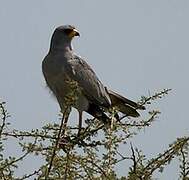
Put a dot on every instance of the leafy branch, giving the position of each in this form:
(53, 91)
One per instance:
(94, 154)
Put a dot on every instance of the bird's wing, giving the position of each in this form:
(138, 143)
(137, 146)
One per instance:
(87, 80)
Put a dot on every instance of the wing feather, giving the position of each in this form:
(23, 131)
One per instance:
(91, 86)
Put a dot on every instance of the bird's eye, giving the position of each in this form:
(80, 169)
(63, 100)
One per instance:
(67, 31)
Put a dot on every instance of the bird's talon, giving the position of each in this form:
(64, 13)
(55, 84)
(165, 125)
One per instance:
(80, 131)
(64, 141)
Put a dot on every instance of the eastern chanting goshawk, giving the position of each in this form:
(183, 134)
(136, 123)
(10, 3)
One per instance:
(64, 72)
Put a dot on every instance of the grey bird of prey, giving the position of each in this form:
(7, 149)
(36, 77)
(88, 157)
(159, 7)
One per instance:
(65, 72)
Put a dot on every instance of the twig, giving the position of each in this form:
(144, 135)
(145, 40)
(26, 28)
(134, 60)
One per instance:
(165, 157)
(134, 159)
(101, 170)
(21, 157)
(122, 158)
(29, 175)
(12, 134)
(86, 134)
(143, 123)
(67, 163)
(183, 163)
(110, 132)
(16, 160)
(184, 167)
(4, 115)
(86, 170)
(155, 96)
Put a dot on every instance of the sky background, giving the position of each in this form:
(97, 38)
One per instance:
(135, 47)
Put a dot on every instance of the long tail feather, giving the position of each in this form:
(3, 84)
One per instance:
(125, 105)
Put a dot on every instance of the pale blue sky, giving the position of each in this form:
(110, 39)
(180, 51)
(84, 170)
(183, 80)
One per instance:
(134, 46)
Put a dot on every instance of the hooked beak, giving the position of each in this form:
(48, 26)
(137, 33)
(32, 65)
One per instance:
(73, 33)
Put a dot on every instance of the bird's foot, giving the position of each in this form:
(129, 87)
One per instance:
(65, 143)
(80, 131)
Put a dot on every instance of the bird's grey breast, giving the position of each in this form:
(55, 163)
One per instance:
(58, 71)
(53, 70)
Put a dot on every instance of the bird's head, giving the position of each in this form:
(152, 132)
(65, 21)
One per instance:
(63, 36)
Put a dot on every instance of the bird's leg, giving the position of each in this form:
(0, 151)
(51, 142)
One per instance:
(63, 139)
(80, 123)
(65, 116)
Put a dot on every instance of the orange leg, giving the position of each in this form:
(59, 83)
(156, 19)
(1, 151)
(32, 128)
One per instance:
(80, 123)
(64, 124)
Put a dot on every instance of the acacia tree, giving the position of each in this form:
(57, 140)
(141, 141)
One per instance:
(94, 154)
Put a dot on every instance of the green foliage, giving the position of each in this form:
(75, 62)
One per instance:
(94, 154)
